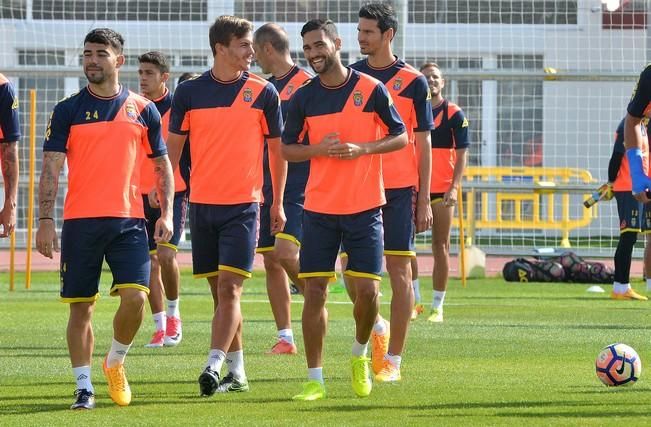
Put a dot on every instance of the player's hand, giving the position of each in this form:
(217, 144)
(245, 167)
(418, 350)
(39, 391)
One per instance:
(163, 230)
(152, 196)
(424, 217)
(450, 198)
(331, 139)
(46, 238)
(345, 151)
(277, 219)
(8, 219)
(606, 191)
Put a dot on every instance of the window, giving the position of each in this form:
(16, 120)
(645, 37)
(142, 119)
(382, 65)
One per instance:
(493, 11)
(13, 9)
(339, 11)
(631, 15)
(519, 114)
(41, 57)
(194, 60)
(121, 10)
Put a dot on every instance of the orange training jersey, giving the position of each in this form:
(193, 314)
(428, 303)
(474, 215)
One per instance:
(449, 135)
(105, 141)
(147, 175)
(410, 93)
(623, 180)
(9, 122)
(227, 123)
(360, 110)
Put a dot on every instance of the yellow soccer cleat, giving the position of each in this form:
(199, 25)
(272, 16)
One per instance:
(630, 294)
(389, 373)
(312, 390)
(379, 347)
(436, 316)
(361, 382)
(118, 385)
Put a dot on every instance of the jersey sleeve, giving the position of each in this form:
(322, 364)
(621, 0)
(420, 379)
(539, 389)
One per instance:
(272, 112)
(422, 105)
(459, 127)
(295, 120)
(155, 145)
(9, 121)
(386, 111)
(58, 129)
(178, 115)
(639, 106)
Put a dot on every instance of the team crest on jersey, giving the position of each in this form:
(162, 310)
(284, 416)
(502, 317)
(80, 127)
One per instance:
(131, 111)
(397, 84)
(290, 89)
(15, 104)
(247, 95)
(358, 98)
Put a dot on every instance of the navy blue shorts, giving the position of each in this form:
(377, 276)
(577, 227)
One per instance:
(180, 208)
(223, 238)
(85, 242)
(633, 215)
(398, 218)
(360, 233)
(292, 204)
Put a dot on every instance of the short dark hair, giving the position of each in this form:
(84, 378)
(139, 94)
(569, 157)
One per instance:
(156, 58)
(383, 13)
(107, 37)
(429, 64)
(274, 34)
(326, 26)
(226, 28)
(186, 76)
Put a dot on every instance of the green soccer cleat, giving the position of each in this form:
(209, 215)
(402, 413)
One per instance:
(312, 390)
(361, 382)
(436, 316)
(230, 384)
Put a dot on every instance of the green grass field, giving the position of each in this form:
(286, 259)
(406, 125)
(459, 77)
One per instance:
(507, 354)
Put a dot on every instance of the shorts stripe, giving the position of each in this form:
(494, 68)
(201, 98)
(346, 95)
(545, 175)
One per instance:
(80, 299)
(289, 237)
(205, 275)
(170, 245)
(153, 251)
(330, 274)
(437, 200)
(628, 230)
(352, 273)
(114, 288)
(263, 250)
(343, 255)
(235, 270)
(401, 253)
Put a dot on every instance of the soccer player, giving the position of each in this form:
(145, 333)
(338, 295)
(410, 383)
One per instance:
(281, 251)
(350, 120)
(406, 175)
(449, 147)
(104, 132)
(638, 108)
(165, 278)
(9, 136)
(228, 113)
(634, 216)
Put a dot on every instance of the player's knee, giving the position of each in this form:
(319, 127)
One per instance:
(271, 262)
(366, 292)
(132, 298)
(81, 312)
(628, 239)
(315, 294)
(398, 265)
(440, 246)
(166, 258)
(229, 291)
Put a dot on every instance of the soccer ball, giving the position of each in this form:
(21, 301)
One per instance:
(618, 364)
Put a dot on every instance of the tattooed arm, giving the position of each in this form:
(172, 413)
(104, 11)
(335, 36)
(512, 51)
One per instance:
(9, 156)
(165, 189)
(46, 236)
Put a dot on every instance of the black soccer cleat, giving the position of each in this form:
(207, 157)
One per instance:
(84, 399)
(208, 382)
